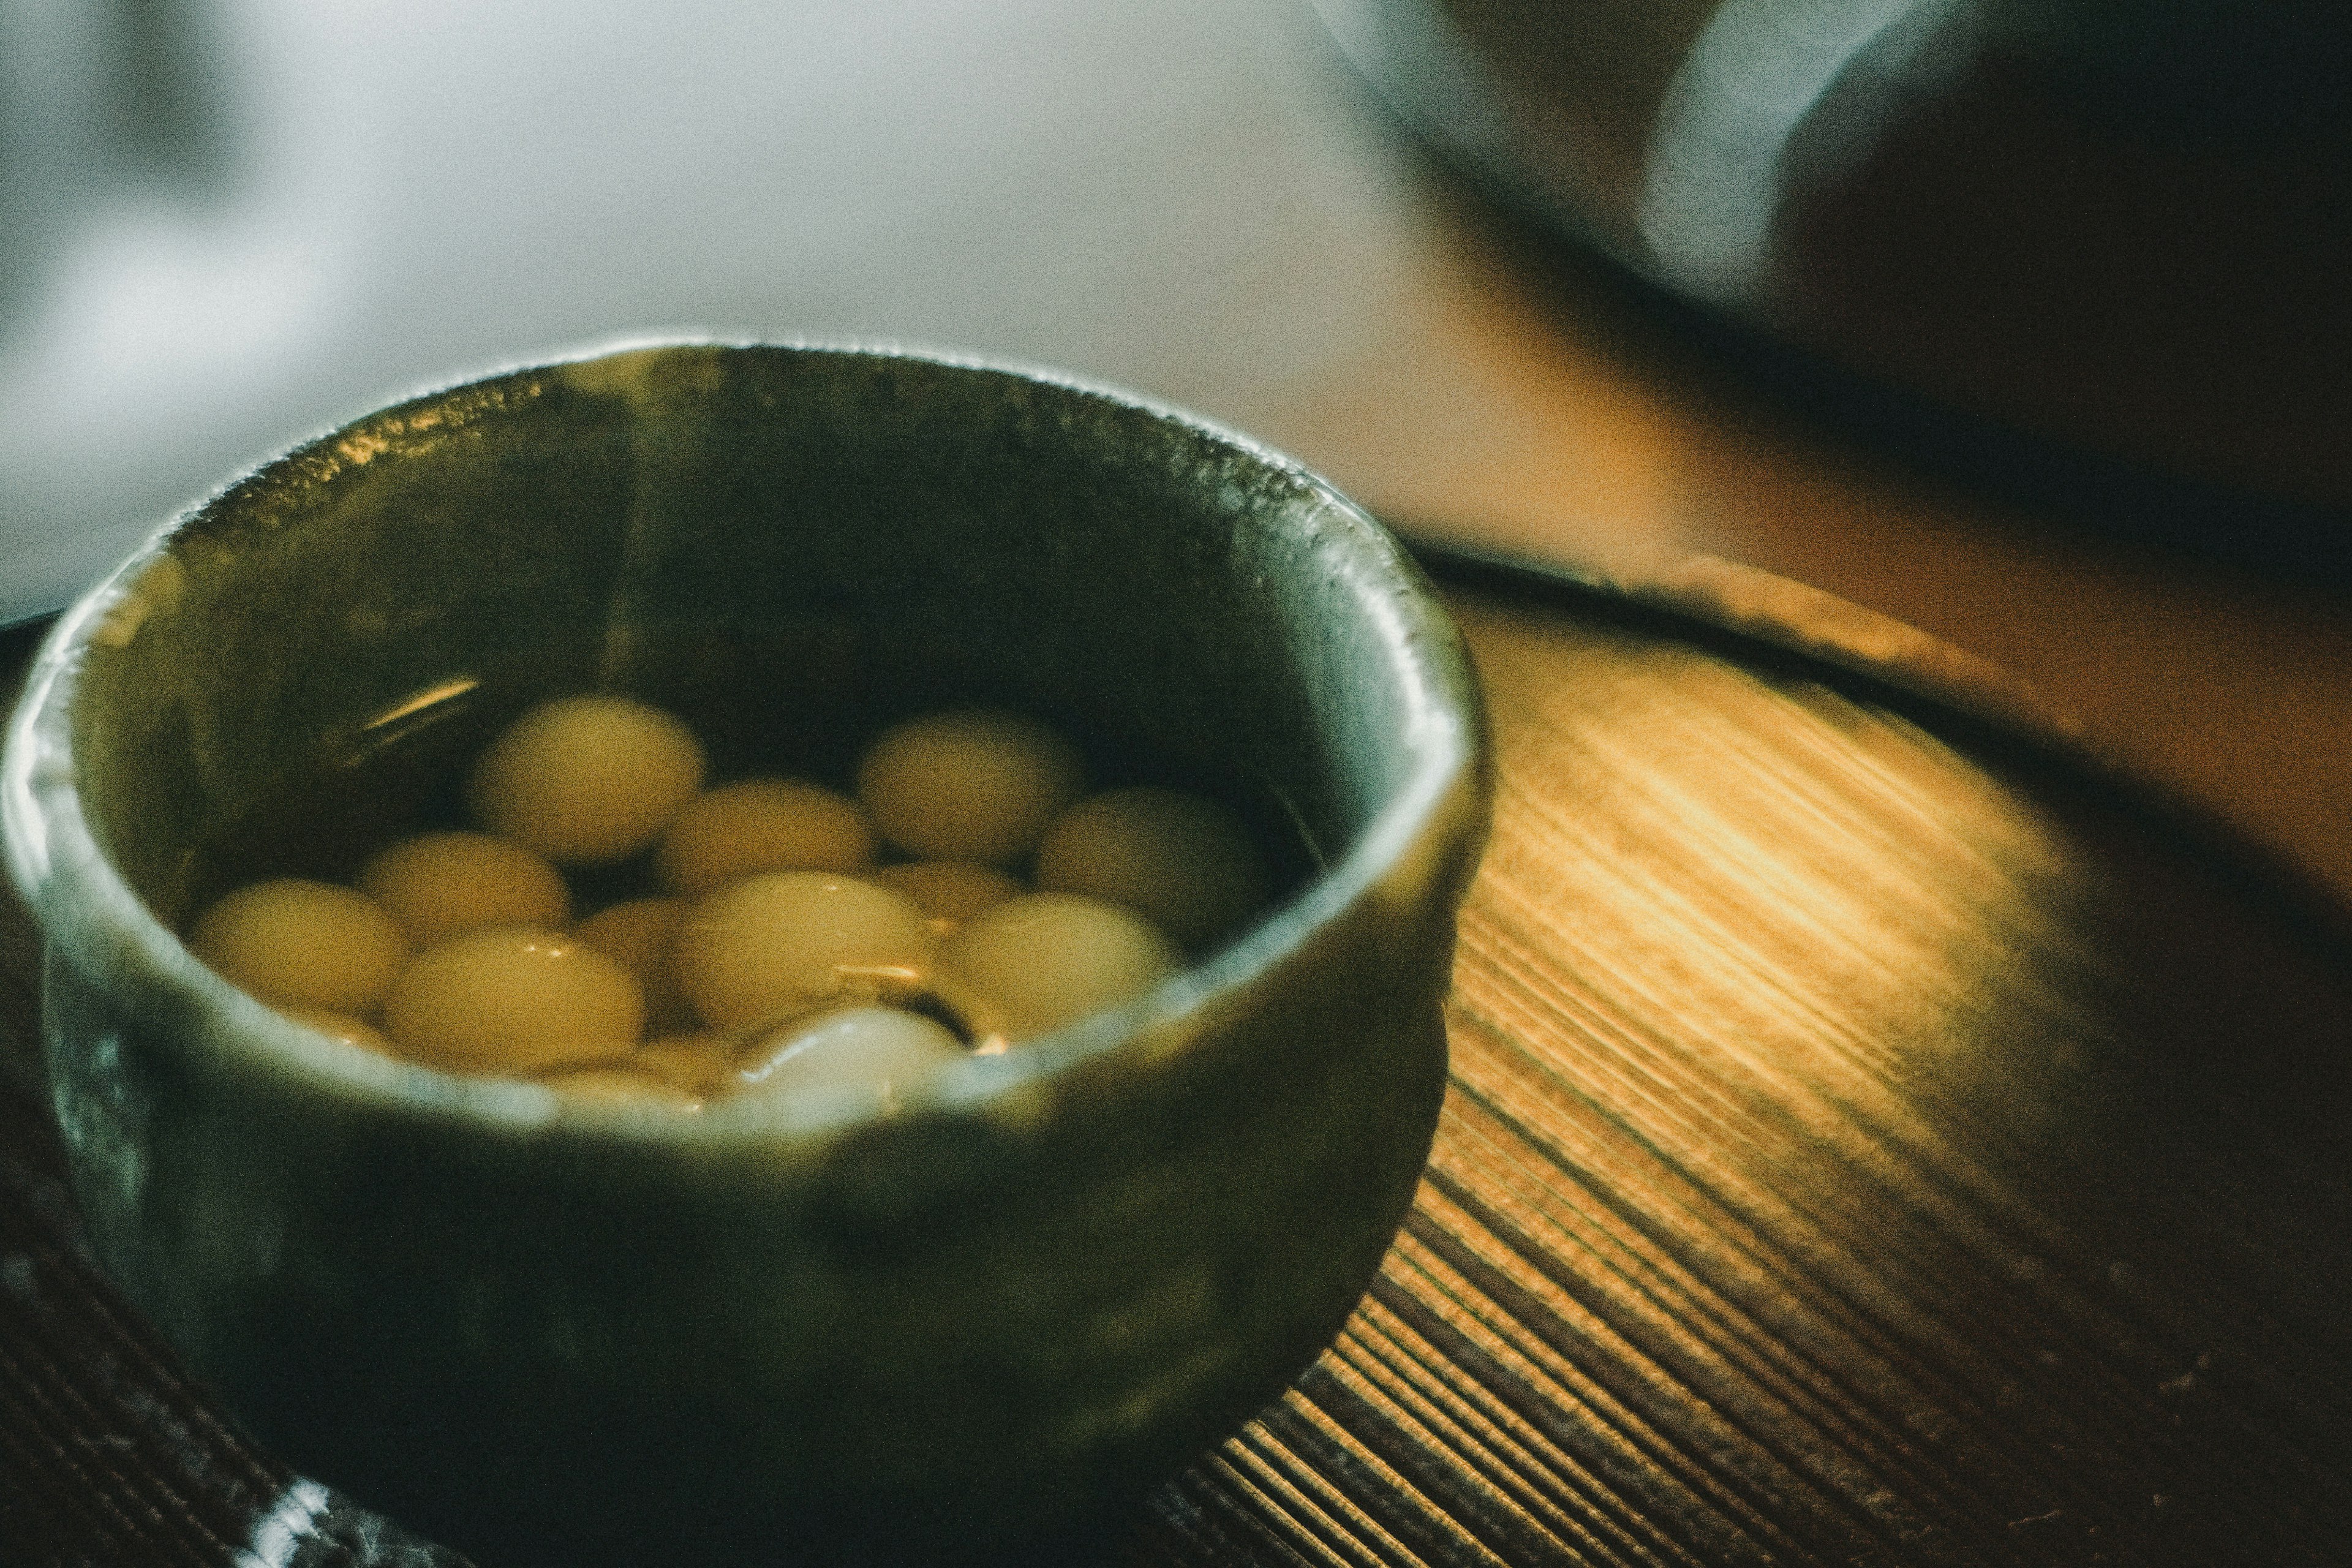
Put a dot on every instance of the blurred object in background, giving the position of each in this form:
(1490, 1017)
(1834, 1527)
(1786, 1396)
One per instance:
(99, 95)
(2094, 251)
(231, 224)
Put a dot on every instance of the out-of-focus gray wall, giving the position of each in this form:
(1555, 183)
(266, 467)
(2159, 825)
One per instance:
(231, 224)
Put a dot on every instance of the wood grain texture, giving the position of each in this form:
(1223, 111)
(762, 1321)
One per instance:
(1869, 1143)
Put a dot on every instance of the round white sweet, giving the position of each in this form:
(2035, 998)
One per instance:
(512, 1000)
(975, 784)
(295, 940)
(1035, 964)
(440, 885)
(341, 1026)
(1183, 861)
(949, 892)
(741, 829)
(586, 780)
(695, 1060)
(879, 1051)
(638, 934)
(784, 945)
(641, 936)
(674, 1071)
(620, 1081)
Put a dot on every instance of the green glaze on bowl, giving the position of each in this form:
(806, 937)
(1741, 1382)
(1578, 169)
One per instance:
(556, 1331)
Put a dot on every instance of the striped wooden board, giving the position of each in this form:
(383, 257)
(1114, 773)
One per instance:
(1875, 1138)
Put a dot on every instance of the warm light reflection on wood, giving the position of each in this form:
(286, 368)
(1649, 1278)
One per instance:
(1827, 1175)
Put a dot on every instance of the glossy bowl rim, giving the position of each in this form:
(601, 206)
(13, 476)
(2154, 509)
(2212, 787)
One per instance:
(82, 904)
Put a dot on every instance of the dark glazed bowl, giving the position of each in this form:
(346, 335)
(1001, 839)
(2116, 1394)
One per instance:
(554, 1331)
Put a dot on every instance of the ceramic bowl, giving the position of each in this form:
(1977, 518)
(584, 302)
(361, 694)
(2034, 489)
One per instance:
(550, 1330)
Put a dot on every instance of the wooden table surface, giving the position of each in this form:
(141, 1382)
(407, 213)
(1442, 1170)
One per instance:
(1870, 1144)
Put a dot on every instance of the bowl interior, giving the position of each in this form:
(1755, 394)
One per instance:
(790, 547)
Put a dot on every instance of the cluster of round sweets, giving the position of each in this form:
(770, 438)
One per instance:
(800, 937)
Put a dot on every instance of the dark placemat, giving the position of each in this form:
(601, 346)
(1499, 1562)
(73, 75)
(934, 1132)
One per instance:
(1874, 1139)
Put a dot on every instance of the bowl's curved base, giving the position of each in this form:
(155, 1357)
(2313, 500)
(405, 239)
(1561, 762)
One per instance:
(656, 1488)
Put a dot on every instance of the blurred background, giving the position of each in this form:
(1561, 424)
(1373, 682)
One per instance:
(239, 223)
(2022, 323)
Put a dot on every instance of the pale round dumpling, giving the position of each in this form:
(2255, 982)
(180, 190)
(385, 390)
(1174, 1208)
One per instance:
(693, 1059)
(1184, 862)
(641, 936)
(789, 943)
(974, 784)
(586, 780)
(512, 1001)
(949, 892)
(1030, 965)
(741, 829)
(676, 1072)
(341, 1026)
(877, 1051)
(293, 940)
(440, 885)
(620, 1081)
(637, 933)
